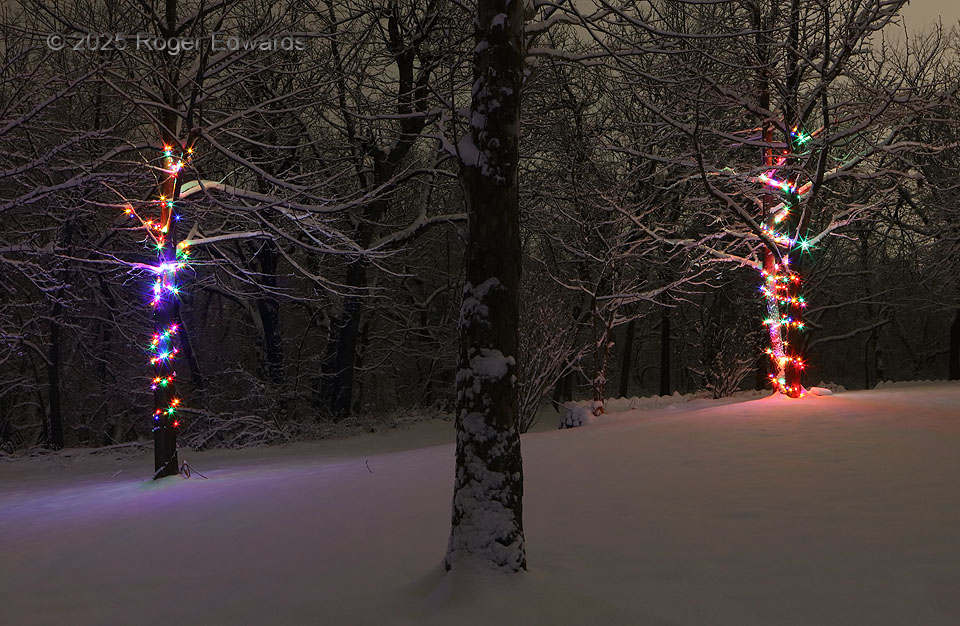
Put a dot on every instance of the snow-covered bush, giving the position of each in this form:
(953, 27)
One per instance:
(576, 414)
(547, 334)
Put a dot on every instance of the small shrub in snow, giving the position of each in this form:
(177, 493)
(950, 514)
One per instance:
(546, 349)
(576, 414)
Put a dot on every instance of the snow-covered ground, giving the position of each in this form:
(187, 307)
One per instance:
(838, 510)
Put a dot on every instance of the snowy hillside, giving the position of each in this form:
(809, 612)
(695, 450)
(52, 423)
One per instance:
(840, 510)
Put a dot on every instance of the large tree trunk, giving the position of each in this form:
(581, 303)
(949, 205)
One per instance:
(770, 263)
(793, 368)
(487, 520)
(786, 363)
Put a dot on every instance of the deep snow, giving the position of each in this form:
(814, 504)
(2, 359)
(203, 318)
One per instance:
(836, 510)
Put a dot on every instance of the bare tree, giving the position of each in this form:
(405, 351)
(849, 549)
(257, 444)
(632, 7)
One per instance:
(487, 521)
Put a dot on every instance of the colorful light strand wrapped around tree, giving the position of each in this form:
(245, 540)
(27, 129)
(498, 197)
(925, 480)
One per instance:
(781, 285)
(164, 296)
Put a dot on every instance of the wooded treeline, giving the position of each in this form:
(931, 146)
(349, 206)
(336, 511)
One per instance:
(326, 218)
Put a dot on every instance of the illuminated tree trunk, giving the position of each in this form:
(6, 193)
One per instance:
(165, 400)
(771, 269)
(794, 342)
(165, 325)
(793, 368)
(781, 281)
(487, 520)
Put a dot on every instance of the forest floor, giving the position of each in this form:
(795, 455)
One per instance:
(837, 510)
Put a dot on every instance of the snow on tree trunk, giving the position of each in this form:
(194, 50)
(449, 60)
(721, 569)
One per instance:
(487, 525)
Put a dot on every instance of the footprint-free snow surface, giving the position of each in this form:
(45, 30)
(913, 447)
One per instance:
(840, 510)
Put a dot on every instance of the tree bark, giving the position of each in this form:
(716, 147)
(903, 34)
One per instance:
(487, 520)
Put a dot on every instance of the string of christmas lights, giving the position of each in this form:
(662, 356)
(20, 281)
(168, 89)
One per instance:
(164, 290)
(781, 285)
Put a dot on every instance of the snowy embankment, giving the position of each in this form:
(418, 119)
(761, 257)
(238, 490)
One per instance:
(838, 510)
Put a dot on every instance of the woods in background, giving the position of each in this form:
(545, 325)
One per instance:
(325, 206)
